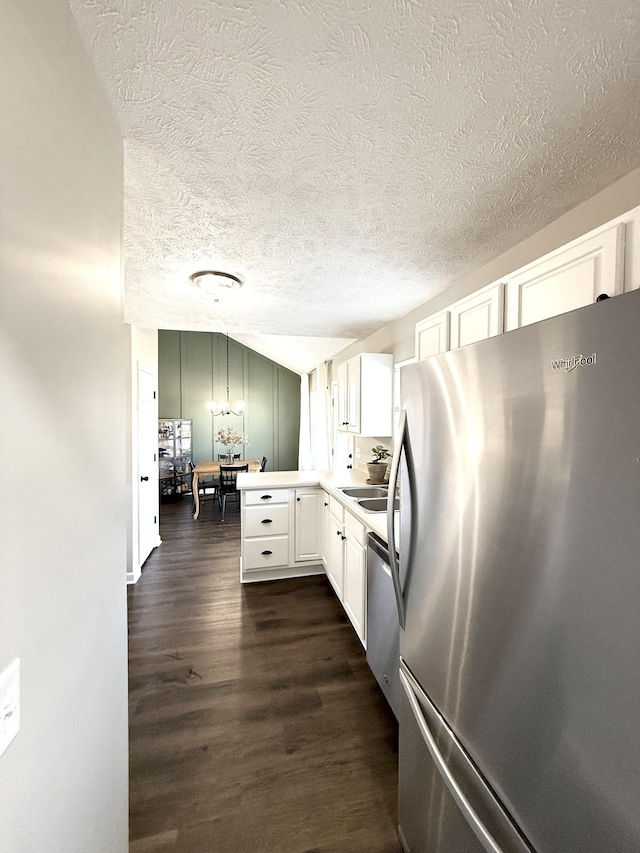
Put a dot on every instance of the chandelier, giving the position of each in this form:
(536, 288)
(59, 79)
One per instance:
(224, 407)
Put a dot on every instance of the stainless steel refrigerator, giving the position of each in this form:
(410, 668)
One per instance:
(519, 590)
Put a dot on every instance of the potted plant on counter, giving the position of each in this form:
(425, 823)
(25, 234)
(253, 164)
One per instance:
(378, 466)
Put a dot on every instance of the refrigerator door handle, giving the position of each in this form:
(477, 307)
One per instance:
(391, 529)
(476, 825)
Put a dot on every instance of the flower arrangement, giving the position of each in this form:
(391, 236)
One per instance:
(230, 437)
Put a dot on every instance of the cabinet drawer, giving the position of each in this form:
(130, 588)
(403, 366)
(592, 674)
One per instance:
(268, 520)
(336, 509)
(266, 496)
(266, 552)
(356, 528)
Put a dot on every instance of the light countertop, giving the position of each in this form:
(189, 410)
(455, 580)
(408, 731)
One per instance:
(331, 481)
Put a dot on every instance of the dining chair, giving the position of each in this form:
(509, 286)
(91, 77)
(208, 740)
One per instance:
(263, 464)
(228, 485)
(208, 487)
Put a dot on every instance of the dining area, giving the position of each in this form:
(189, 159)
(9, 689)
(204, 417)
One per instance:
(217, 480)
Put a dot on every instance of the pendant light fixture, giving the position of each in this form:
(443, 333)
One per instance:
(224, 407)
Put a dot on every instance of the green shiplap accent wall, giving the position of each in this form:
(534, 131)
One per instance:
(288, 419)
(192, 370)
(169, 373)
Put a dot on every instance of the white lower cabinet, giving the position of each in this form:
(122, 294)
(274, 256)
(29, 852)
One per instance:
(266, 552)
(335, 547)
(345, 563)
(355, 575)
(307, 525)
(324, 526)
(280, 533)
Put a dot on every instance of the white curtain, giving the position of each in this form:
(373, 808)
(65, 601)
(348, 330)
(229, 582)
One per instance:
(322, 421)
(304, 449)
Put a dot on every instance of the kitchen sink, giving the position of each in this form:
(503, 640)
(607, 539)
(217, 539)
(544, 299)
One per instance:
(366, 492)
(377, 504)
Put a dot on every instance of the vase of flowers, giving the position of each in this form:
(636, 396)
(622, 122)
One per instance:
(230, 437)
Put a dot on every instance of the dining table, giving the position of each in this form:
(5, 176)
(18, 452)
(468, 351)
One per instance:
(211, 469)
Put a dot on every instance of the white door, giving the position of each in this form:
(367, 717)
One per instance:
(147, 442)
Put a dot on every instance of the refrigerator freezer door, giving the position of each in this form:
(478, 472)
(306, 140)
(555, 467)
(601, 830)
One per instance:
(444, 805)
(523, 580)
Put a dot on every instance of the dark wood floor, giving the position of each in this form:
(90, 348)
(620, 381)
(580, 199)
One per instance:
(256, 724)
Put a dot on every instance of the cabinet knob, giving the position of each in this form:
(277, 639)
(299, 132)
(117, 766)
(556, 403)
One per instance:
(326, 504)
(143, 479)
(266, 521)
(298, 499)
(266, 553)
(343, 537)
(349, 466)
(338, 532)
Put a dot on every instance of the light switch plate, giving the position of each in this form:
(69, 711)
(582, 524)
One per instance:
(9, 704)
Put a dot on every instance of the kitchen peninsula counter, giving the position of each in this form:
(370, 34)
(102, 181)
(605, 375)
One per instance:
(331, 481)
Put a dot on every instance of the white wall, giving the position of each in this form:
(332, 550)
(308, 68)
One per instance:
(63, 781)
(143, 353)
(398, 337)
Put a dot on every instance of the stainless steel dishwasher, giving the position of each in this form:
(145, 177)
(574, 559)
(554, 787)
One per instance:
(383, 631)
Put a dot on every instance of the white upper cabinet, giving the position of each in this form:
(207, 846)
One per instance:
(343, 395)
(365, 387)
(432, 335)
(354, 394)
(568, 278)
(478, 316)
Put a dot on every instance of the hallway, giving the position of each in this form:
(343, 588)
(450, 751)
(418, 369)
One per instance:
(255, 723)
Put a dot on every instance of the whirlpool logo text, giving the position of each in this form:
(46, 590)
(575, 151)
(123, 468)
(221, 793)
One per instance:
(572, 363)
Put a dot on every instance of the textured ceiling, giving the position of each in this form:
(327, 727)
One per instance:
(348, 158)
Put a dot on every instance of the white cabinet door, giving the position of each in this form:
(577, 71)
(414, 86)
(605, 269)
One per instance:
(375, 416)
(432, 335)
(365, 389)
(324, 527)
(568, 278)
(353, 403)
(307, 525)
(354, 590)
(343, 396)
(335, 554)
(478, 316)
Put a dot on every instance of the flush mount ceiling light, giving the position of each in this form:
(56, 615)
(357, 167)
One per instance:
(215, 283)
